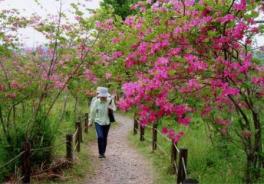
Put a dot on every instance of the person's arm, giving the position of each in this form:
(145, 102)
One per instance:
(112, 104)
(92, 111)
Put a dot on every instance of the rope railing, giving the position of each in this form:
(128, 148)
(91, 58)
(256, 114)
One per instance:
(48, 148)
(163, 136)
(176, 166)
(75, 147)
(27, 152)
(163, 150)
(177, 155)
(12, 160)
(158, 145)
(184, 167)
(75, 134)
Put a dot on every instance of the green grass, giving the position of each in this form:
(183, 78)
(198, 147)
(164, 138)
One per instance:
(206, 162)
(82, 164)
(160, 161)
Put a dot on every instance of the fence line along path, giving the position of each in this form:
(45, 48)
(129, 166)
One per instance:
(123, 163)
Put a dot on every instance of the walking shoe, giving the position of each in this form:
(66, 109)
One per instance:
(101, 156)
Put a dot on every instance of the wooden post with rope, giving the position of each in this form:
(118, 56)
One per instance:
(26, 164)
(173, 157)
(135, 125)
(69, 148)
(78, 136)
(80, 128)
(154, 136)
(182, 167)
(86, 122)
(142, 132)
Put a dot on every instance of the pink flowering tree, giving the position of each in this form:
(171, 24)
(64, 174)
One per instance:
(183, 58)
(105, 66)
(32, 80)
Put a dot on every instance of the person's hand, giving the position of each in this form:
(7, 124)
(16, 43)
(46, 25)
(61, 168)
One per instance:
(90, 124)
(114, 97)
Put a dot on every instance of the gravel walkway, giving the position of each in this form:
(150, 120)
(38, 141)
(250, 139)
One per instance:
(123, 164)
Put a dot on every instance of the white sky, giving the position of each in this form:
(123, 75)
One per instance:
(31, 37)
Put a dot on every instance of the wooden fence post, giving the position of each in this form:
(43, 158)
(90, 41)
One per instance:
(26, 165)
(154, 136)
(69, 149)
(80, 129)
(135, 126)
(142, 132)
(182, 168)
(86, 122)
(173, 157)
(190, 181)
(78, 136)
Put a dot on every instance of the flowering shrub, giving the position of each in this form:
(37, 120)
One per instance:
(182, 58)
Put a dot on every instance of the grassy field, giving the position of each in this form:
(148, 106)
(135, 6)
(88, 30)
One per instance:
(207, 163)
(82, 163)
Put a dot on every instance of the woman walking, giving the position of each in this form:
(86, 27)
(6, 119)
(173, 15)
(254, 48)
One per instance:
(99, 115)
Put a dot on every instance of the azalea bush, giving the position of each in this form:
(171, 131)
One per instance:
(175, 60)
(32, 81)
(185, 59)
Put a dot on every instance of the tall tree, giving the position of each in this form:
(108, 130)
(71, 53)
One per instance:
(121, 7)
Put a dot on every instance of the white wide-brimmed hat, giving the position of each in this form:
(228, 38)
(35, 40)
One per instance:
(98, 89)
(103, 92)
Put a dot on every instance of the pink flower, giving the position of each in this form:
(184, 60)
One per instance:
(222, 122)
(142, 48)
(180, 110)
(130, 20)
(258, 81)
(195, 64)
(11, 95)
(108, 75)
(89, 76)
(184, 121)
(162, 61)
(206, 110)
(226, 18)
(14, 85)
(123, 104)
(177, 137)
(117, 54)
(240, 6)
(149, 1)
(116, 40)
(230, 91)
(98, 24)
(59, 84)
(246, 134)
(2, 87)
(238, 31)
(78, 18)
(164, 130)
(174, 51)
(193, 84)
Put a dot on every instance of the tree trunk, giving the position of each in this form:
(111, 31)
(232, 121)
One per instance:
(75, 107)
(254, 157)
(64, 107)
(249, 167)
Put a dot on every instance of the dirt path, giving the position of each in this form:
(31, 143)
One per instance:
(123, 164)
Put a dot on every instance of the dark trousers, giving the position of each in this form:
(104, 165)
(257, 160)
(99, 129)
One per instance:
(102, 133)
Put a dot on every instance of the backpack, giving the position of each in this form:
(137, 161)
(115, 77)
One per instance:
(111, 114)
